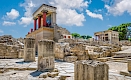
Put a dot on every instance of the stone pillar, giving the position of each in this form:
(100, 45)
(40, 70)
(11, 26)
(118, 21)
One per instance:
(29, 49)
(45, 55)
(44, 17)
(129, 65)
(53, 19)
(35, 22)
(39, 21)
(90, 70)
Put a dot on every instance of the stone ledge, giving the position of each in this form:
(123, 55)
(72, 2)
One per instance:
(125, 73)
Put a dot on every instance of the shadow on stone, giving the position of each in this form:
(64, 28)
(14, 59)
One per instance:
(22, 62)
(59, 60)
(35, 73)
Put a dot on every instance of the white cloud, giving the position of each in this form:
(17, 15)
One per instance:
(66, 10)
(70, 17)
(25, 20)
(1, 31)
(13, 14)
(94, 15)
(119, 7)
(8, 23)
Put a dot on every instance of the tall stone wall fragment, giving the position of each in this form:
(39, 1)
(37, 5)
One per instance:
(90, 70)
(29, 49)
(45, 55)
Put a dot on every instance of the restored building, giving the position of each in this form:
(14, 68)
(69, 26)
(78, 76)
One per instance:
(108, 35)
(44, 23)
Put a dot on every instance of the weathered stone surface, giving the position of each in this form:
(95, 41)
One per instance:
(90, 70)
(103, 59)
(45, 55)
(8, 51)
(70, 58)
(125, 73)
(61, 50)
(129, 65)
(29, 49)
(55, 70)
(43, 75)
(53, 74)
(21, 53)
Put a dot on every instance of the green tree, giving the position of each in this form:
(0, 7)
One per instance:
(83, 36)
(122, 29)
(87, 37)
(75, 35)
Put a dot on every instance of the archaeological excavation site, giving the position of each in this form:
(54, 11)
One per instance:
(51, 52)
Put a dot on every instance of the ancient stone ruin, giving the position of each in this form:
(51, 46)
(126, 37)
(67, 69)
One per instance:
(90, 70)
(45, 55)
(29, 49)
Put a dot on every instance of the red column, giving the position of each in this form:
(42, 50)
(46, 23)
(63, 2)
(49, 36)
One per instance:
(35, 22)
(31, 30)
(39, 21)
(44, 18)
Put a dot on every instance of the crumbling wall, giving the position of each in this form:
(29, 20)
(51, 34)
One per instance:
(8, 51)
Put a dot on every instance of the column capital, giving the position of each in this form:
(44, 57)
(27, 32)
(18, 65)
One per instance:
(44, 11)
(39, 15)
(34, 18)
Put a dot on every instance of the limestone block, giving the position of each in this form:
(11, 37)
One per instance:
(73, 54)
(70, 58)
(129, 65)
(45, 55)
(45, 63)
(102, 59)
(53, 74)
(43, 75)
(55, 70)
(83, 57)
(21, 53)
(125, 73)
(63, 77)
(95, 55)
(29, 49)
(90, 70)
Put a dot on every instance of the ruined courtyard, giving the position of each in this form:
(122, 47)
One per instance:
(50, 52)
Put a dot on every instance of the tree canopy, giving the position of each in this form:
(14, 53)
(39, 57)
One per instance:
(122, 29)
(76, 35)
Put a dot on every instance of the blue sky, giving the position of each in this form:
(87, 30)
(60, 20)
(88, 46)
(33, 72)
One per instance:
(81, 16)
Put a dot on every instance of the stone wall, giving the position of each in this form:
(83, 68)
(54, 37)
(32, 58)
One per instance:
(90, 70)
(29, 49)
(45, 55)
(21, 53)
(8, 51)
(58, 32)
(70, 52)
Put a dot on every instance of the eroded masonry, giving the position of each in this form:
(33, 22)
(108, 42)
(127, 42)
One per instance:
(50, 52)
